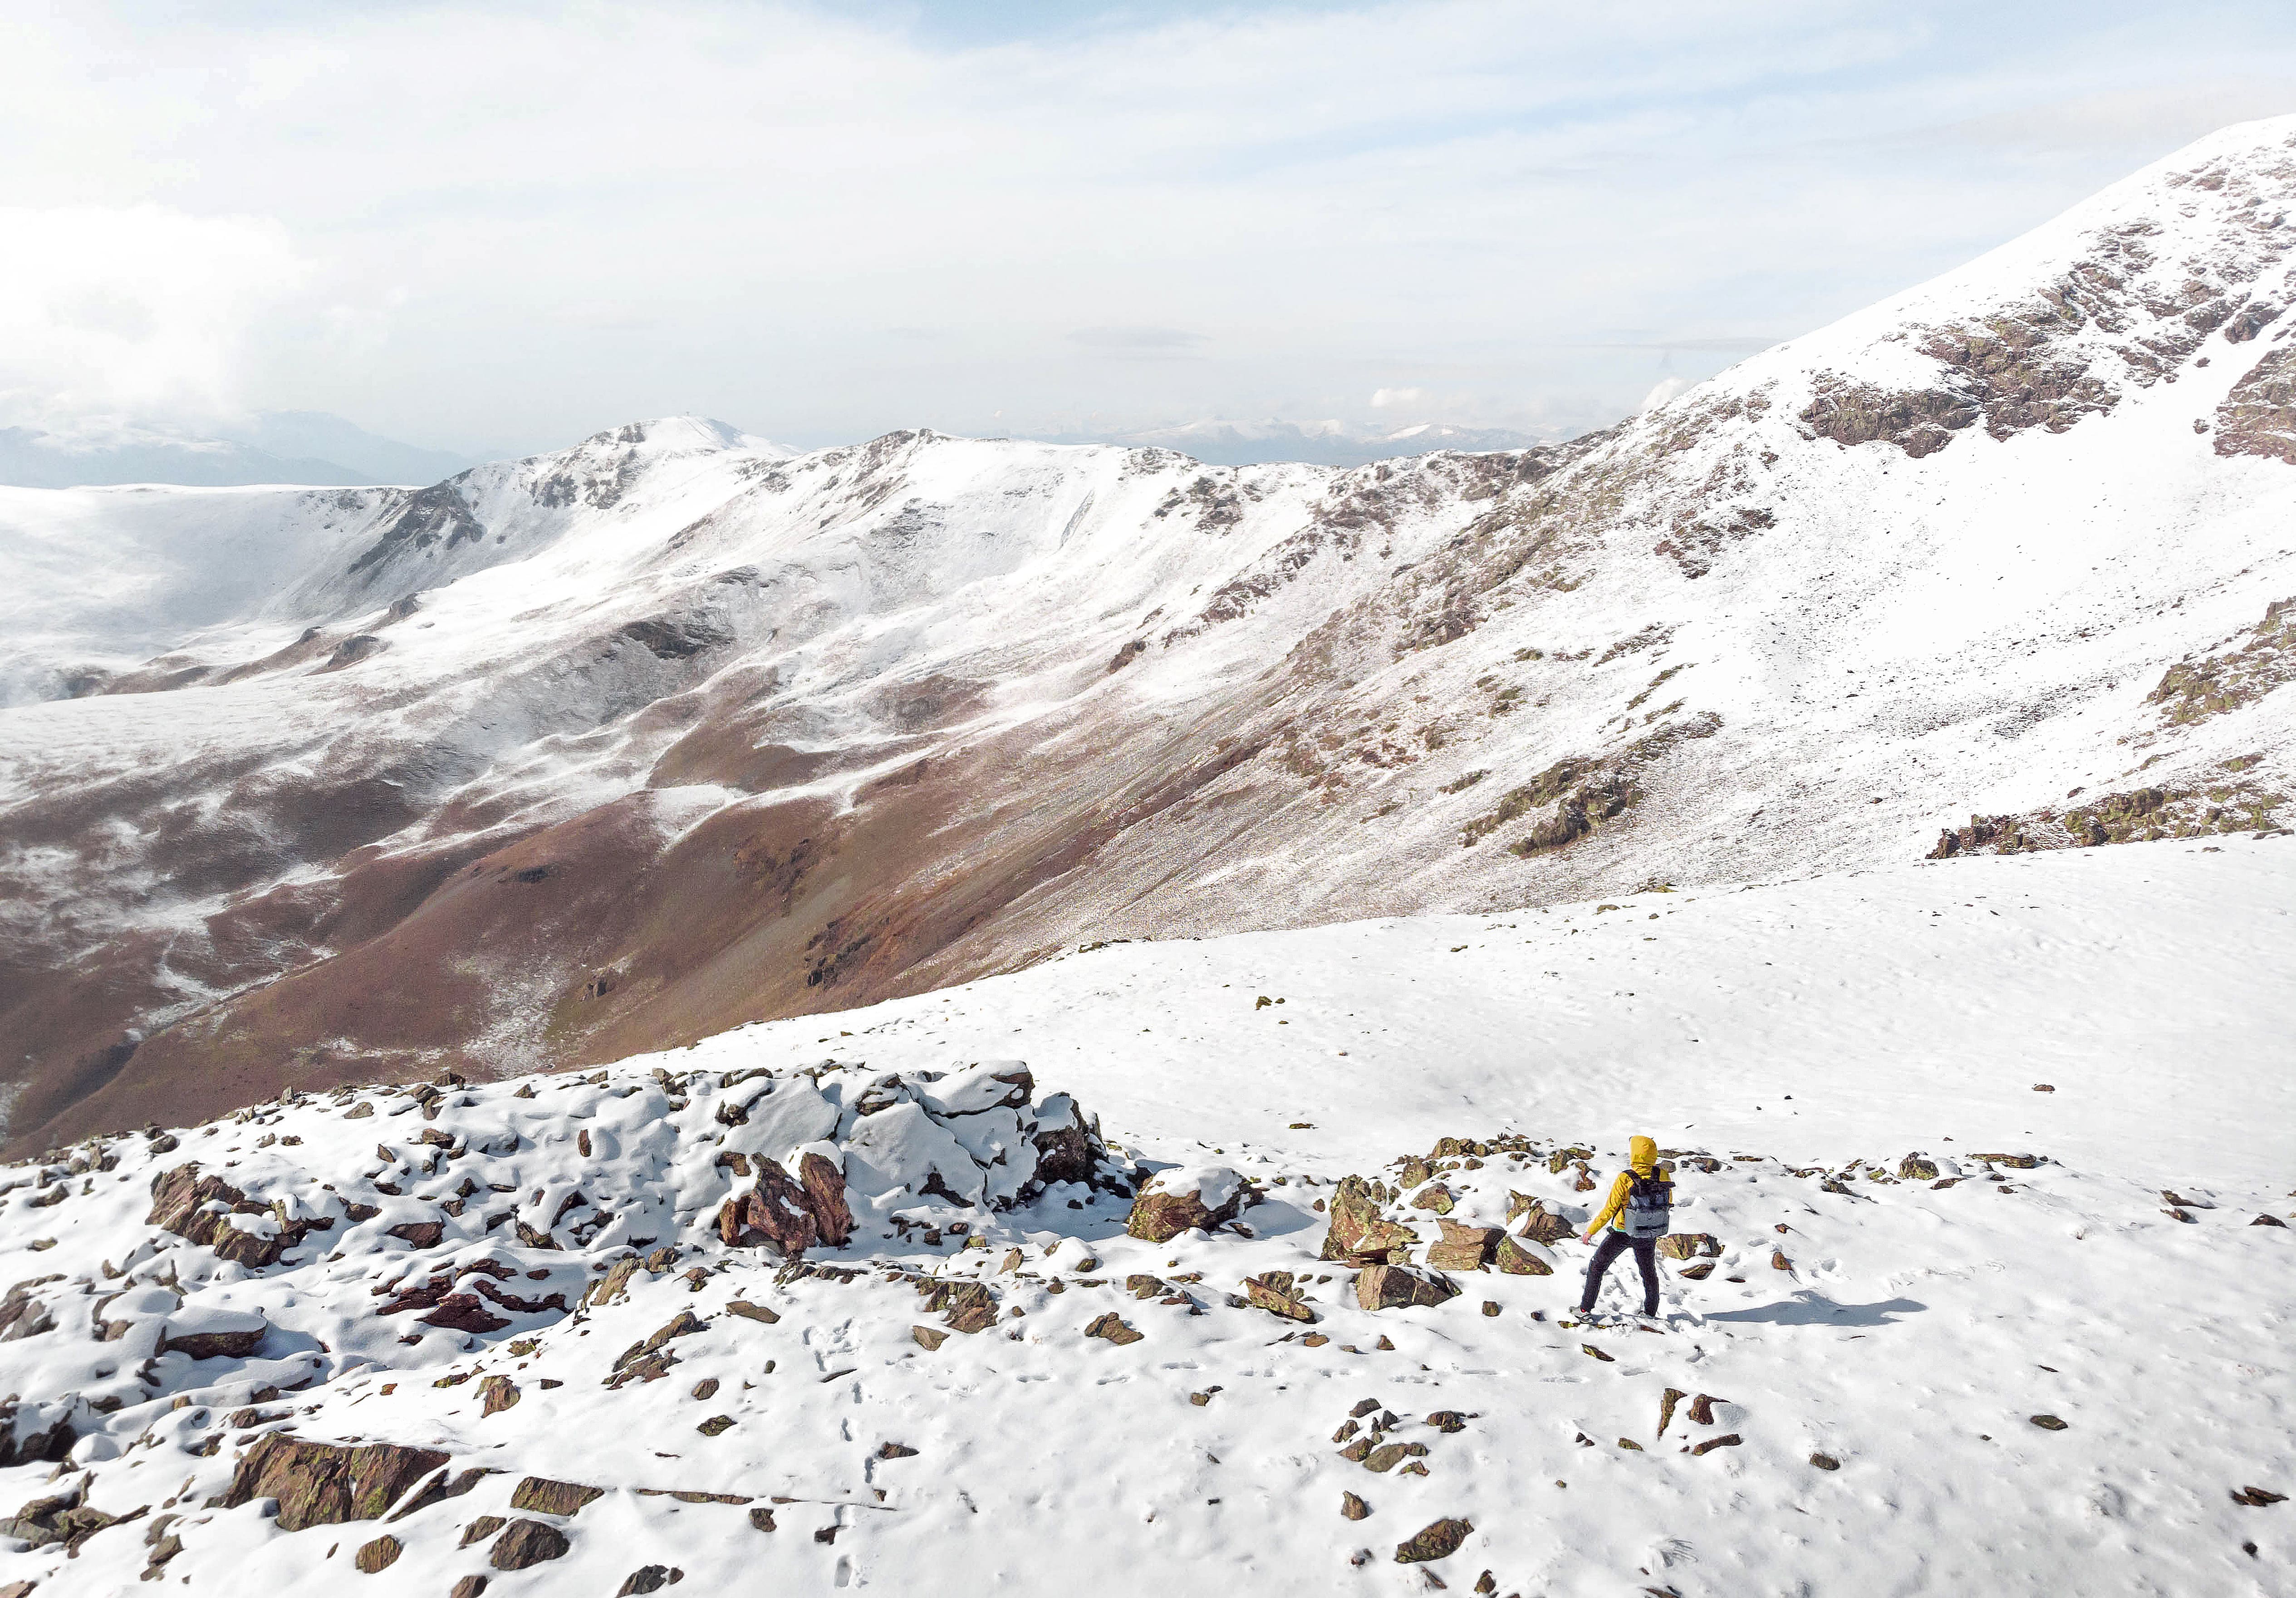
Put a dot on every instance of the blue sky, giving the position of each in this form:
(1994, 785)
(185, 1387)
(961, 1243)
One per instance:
(504, 226)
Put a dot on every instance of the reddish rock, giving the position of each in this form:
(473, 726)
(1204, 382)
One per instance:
(824, 1181)
(1111, 1326)
(496, 1394)
(420, 1234)
(775, 1213)
(1265, 1295)
(180, 1203)
(462, 1312)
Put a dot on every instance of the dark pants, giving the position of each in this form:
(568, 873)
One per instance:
(1613, 1244)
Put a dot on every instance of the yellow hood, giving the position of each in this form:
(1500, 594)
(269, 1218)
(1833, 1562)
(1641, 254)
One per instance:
(1642, 1153)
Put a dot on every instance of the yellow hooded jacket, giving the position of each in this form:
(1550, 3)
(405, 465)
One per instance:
(1642, 1154)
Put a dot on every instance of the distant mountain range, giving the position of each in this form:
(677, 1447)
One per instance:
(1329, 443)
(302, 448)
(570, 757)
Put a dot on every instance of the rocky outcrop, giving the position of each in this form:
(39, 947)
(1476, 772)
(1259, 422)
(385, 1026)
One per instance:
(196, 1207)
(2258, 416)
(325, 1484)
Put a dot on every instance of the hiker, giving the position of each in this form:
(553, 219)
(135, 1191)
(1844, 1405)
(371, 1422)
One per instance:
(1640, 1207)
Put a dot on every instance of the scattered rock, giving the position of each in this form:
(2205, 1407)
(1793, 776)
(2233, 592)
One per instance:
(1188, 1196)
(1826, 1461)
(1262, 1294)
(1447, 1421)
(1689, 1245)
(928, 1338)
(762, 1518)
(1388, 1455)
(420, 1234)
(469, 1587)
(2267, 1220)
(1436, 1197)
(1697, 1272)
(527, 1543)
(1352, 1507)
(1395, 1286)
(544, 1496)
(1111, 1326)
(1438, 1541)
(1701, 1408)
(1359, 1228)
(2257, 1497)
(753, 1312)
(777, 1212)
(2048, 1423)
(896, 1451)
(1592, 1352)
(380, 1554)
(1913, 1167)
(1666, 1400)
(481, 1529)
(1464, 1248)
(649, 1579)
(716, 1424)
(212, 1333)
(1729, 1440)
(1513, 1259)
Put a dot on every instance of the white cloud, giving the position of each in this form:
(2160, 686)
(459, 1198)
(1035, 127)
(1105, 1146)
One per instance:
(1384, 398)
(1665, 390)
(133, 310)
(520, 223)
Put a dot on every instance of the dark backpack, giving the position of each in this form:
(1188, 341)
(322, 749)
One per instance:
(1650, 1206)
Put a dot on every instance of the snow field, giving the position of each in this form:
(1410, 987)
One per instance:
(1910, 1336)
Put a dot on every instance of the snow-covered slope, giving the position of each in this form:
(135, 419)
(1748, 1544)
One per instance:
(576, 757)
(518, 1302)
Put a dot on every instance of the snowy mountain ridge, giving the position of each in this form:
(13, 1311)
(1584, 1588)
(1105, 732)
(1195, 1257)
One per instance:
(568, 759)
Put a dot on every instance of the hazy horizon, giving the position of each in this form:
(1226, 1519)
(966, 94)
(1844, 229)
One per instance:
(488, 230)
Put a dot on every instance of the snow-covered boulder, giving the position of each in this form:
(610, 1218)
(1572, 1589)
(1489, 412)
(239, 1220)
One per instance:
(1184, 1196)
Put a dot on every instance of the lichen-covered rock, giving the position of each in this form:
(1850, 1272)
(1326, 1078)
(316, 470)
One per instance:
(1175, 1200)
(1396, 1287)
(1913, 1167)
(1438, 1541)
(1688, 1245)
(213, 1332)
(1359, 1230)
(380, 1554)
(1353, 1507)
(543, 1496)
(325, 1484)
(1513, 1259)
(1262, 1294)
(1464, 1248)
(496, 1394)
(525, 1544)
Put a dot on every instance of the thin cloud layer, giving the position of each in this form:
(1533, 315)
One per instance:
(464, 222)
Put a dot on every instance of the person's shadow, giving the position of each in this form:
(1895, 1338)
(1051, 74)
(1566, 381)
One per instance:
(1807, 1308)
